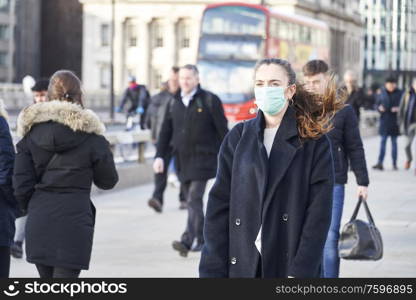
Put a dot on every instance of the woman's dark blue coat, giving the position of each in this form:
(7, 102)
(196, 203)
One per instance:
(8, 204)
(290, 194)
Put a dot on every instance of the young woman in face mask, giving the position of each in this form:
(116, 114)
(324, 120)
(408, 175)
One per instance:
(269, 210)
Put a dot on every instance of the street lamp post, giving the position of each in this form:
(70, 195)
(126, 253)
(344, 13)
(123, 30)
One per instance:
(112, 100)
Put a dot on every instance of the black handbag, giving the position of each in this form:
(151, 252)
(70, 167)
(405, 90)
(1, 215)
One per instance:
(360, 240)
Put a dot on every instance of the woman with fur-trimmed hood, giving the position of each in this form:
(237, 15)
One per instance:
(8, 204)
(62, 152)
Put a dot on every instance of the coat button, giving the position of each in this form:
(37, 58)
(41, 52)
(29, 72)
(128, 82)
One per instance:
(285, 217)
(233, 260)
(237, 222)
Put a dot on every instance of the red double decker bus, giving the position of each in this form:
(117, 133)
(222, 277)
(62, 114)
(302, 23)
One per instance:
(234, 36)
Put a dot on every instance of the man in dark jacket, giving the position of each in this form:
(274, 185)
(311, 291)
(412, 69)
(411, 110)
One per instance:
(194, 127)
(356, 96)
(139, 97)
(39, 91)
(407, 117)
(154, 120)
(387, 103)
(347, 146)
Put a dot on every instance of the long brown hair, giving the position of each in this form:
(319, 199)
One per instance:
(65, 86)
(313, 112)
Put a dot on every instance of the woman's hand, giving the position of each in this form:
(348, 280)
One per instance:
(362, 192)
(158, 165)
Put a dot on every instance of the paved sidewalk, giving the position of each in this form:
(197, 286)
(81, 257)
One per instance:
(133, 241)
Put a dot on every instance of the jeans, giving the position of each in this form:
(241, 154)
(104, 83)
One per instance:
(331, 258)
(383, 149)
(410, 137)
(194, 193)
(56, 272)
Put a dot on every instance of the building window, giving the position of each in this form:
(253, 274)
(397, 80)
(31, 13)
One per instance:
(131, 33)
(383, 43)
(157, 79)
(184, 33)
(157, 34)
(4, 32)
(3, 59)
(105, 76)
(105, 35)
(4, 5)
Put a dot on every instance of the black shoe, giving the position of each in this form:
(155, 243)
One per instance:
(378, 167)
(155, 204)
(197, 248)
(181, 248)
(183, 205)
(395, 168)
(16, 250)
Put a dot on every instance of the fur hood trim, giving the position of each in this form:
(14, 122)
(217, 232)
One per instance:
(66, 113)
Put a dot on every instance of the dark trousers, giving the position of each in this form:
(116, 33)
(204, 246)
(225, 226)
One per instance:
(161, 181)
(4, 262)
(194, 193)
(56, 272)
(383, 149)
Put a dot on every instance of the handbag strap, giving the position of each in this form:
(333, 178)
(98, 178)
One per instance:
(367, 211)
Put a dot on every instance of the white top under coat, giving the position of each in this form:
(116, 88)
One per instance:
(269, 136)
(187, 98)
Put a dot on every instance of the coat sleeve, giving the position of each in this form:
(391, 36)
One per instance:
(24, 176)
(166, 132)
(308, 258)
(214, 257)
(104, 170)
(354, 149)
(220, 120)
(401, 116)
(124, 99)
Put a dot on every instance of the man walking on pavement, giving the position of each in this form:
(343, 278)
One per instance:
(154, 120)
(387, 103)
(347, 147)
(139, 97)
(39, 92)
(407, 119)
(194, 126)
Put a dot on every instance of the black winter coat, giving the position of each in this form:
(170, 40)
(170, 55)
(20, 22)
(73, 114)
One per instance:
(156, 112)
(195, 134)
(289, 193)
(348, 147)
(8, 204)
(389, 124)
(61, 216)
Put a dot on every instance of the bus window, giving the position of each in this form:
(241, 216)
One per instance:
(237, 20)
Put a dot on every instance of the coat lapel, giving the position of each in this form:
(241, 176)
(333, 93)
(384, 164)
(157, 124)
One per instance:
(285, 146)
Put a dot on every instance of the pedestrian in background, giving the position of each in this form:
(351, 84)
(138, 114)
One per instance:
(407, 119)
(39, 91)
(347, 148)
(139, 99)
(269, 210)
(8, 205)
(61, 153)
(355, 94)
(155, 116)
(194, 127)
(387, 104)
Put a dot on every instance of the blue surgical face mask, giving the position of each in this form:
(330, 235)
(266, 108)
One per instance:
(270, 100)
